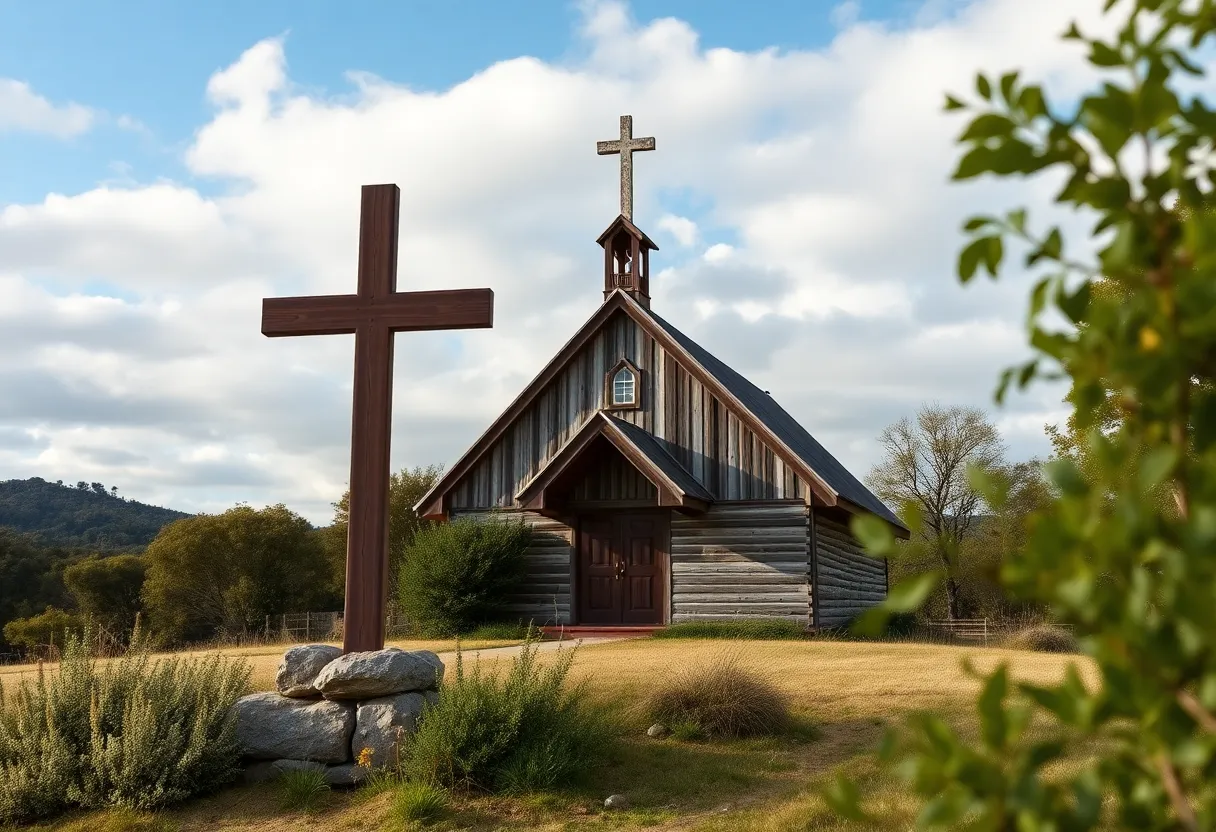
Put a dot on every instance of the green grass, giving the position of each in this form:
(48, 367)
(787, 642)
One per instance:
(418, 803)
(751, 630)
(302, 791)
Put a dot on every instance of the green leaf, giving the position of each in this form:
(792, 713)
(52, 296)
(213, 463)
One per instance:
(983, 87)
(1031, 103)
(1156, 466)
(994, 251)
(987, 126)
(976, 161)
(1102, 55)
(953, 103)
(1066, 476)
(874, 534)
(843, 796)
(1008, 83)
(909, 594)
(993, 725)
(976, 223)
(1017, 219)
(969, 258)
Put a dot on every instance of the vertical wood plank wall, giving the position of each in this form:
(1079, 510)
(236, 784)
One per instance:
(741, 560)
(848, 580)
(545, 598)
(696, 428)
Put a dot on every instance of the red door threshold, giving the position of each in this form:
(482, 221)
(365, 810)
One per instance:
(575, 631)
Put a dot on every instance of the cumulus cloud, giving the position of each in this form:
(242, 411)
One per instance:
(826, 170)
(23, 109)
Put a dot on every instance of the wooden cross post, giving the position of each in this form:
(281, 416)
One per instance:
(626, 145)
(373, 314)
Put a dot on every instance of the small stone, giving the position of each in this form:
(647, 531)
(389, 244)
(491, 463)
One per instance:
(657, 731)
(346, 775)
(379, 673)
(274, 727)
(300, 666)
(616, 802)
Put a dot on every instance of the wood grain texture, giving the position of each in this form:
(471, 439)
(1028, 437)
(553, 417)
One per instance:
(848, 581)
(694, 426)
(741, 560)
(400, 312)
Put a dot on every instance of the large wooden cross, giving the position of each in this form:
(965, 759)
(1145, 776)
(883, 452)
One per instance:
(373, 314)
(626, 145)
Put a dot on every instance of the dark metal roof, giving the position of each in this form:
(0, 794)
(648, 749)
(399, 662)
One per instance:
(787, 429)
(653, 450)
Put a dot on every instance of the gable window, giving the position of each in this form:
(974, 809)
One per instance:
(623, 386)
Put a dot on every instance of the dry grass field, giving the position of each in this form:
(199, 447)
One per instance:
(843, 694)
(263, 659)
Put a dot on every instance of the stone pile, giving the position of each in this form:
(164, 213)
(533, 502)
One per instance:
(328, 707)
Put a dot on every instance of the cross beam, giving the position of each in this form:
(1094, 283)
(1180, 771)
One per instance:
(373, 314)
(626, 145)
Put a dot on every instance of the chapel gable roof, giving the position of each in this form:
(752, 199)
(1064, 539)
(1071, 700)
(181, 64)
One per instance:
(829, 481)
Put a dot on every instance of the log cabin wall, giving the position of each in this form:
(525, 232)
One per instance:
(545, 598)
(847, 580)
(696, 428)
(741, 560)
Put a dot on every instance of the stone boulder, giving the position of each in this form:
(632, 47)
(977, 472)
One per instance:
(264, 771)
(300, 667)
(379, 722)
(379, 673)
(348, 775)
(274, 727)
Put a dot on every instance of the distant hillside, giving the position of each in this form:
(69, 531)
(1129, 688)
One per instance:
(64, 515)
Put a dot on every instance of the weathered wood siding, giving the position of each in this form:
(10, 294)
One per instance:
(741, 560)
(545, 598)
(848, 581)
(611, 477)
(695, 427)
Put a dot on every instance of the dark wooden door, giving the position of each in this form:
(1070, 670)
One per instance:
(621, 569)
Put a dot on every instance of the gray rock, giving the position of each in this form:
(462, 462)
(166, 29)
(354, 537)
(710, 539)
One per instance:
(274, 727)
(379, 673)
(379, 722)
(616, 802)
(657, 731)
(300, 666)
(347, 774)
(266, 771)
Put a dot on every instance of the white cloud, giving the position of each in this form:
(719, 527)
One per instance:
(846, 14)
(682, 228)
(23, 109)
(836, 294)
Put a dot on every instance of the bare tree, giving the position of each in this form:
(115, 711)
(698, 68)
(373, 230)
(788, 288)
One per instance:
(925, 466)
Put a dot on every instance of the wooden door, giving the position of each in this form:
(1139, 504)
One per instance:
(622, 577)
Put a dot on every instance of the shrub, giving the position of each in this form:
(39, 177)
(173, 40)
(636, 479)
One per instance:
(1043, 638)
(121, 820)
(47, 629)
(130, 732)
(723, 697)
(504, 631)
(523, 731)
(777, 630)
(302, 790)
(458, 575)
(417, 803)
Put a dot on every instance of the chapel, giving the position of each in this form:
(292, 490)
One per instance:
(663, 486)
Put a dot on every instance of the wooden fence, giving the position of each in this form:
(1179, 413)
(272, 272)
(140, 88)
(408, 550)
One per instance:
(321, 626)
(962, 629)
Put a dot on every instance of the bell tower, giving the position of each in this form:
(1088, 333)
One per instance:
(626, 248)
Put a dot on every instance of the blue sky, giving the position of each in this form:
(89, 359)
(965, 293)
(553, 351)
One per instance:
(799, 194)
(150, 60)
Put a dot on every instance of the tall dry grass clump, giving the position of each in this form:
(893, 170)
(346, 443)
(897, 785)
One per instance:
(129, 732)
(722, 697)
(1043, 638)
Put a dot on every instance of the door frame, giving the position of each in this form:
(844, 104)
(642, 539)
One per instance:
(663, 545)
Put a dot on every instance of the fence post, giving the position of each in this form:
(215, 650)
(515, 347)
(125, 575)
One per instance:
(308, 626)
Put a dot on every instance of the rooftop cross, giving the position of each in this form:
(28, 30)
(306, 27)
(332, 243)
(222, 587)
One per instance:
(626, 145)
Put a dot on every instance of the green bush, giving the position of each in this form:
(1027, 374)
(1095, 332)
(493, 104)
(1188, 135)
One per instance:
(458, 576)
(777, 630)
(519, 732)
(46, 629)
(131, 732)
(1043, 638)
(723, 698)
